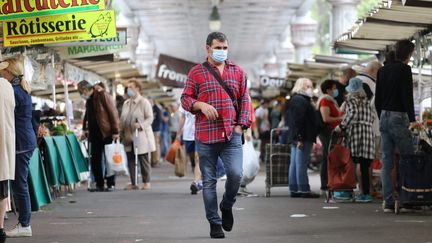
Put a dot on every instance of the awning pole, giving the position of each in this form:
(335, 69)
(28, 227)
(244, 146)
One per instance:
(54, 82)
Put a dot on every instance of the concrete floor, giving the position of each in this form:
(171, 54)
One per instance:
(169, 213)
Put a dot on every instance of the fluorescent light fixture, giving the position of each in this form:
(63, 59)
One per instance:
(215, 23)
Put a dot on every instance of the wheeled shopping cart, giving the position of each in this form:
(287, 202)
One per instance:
(277, 159)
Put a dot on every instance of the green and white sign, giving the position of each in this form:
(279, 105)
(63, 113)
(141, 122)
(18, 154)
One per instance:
(87, 51)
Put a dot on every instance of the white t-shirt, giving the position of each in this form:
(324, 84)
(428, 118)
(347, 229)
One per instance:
(189, 126)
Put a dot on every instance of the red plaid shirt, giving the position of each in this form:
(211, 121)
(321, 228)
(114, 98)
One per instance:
(202, 86)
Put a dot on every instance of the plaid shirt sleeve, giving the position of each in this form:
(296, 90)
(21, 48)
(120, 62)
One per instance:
(190, 92)
(244, 104)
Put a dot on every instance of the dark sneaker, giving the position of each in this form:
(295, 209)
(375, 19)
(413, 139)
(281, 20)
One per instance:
(216, 231)
(97, 189)
(194, 188)
(227, 218)
(295, 194)
(309, 195)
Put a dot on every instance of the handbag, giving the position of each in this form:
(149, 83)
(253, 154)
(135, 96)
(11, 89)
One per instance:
(227, 90)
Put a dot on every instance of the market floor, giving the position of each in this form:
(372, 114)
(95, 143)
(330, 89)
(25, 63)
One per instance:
(169, 213)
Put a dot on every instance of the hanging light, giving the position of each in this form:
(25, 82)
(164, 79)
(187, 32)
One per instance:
(215, 23)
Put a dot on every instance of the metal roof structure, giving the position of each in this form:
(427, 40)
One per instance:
(390, 22)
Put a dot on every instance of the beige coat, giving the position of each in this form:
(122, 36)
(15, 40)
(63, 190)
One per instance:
(7, 131)
(138, 109)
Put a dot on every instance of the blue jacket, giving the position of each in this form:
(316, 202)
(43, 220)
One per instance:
(25, 135)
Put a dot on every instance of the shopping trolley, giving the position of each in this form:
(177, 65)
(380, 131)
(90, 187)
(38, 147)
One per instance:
(277, 159)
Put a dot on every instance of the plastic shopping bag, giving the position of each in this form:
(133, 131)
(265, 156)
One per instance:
(251, 164)
(116, 160)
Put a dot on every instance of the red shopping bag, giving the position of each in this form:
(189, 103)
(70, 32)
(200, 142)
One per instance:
(340, 168)
(172, 152)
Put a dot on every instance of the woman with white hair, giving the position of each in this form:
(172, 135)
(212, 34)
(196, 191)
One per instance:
(25, 142)
(357, 125)
(301, 120)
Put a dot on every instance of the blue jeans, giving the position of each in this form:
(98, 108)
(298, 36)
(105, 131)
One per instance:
(220, 168)
(394, 133)
(298, 177)
(21, 188)
(231, 153)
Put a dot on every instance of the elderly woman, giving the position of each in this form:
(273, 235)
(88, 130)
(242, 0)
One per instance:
(7, 144)
(357, 125)
(25, 142)
(301, 120)
(331, 116)
(136, 120)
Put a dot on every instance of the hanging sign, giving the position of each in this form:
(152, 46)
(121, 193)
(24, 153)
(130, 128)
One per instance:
(267, 82)
(173, 71)
(18, 9)
(120, 39)
(59, 28)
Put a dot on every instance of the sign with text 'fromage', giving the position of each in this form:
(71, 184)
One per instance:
(173, 71)
(267, 82)
(60, 28)
(18, 9)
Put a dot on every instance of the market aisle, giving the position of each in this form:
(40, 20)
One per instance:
(168, 213)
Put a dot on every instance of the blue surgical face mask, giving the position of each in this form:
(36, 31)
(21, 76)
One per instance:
(85, 97)
(220, 55)
(130, 93)
(335, 93)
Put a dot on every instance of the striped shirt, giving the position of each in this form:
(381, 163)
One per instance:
(202, 86)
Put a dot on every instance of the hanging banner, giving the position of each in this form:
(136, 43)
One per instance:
(88, 51)
(267, 82)
(60, 28)
(173, 71)
(18, 9)
(120, 39)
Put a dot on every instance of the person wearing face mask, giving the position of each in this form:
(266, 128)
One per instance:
(300, 118)
(331, 116)
(137, 116)
(101, 126)
(220, 121)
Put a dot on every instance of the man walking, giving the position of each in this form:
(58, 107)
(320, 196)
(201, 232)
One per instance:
(220, 120)
(101, 125)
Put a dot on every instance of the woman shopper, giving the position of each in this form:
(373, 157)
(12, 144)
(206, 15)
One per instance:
(331, 116)
(301, 120)
(137, 114)
(7, 145)
(13, 71)
(359, 137)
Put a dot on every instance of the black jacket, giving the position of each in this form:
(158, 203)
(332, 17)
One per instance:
(301, 119)
(394, 89)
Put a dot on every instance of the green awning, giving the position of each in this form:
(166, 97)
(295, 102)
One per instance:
(40, 194)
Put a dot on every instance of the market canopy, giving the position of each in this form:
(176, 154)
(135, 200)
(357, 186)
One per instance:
(390, 22)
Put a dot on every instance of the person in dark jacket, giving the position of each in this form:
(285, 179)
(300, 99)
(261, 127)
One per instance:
(302, 133)
(25, 140)
(101, 125)
(394, 103)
